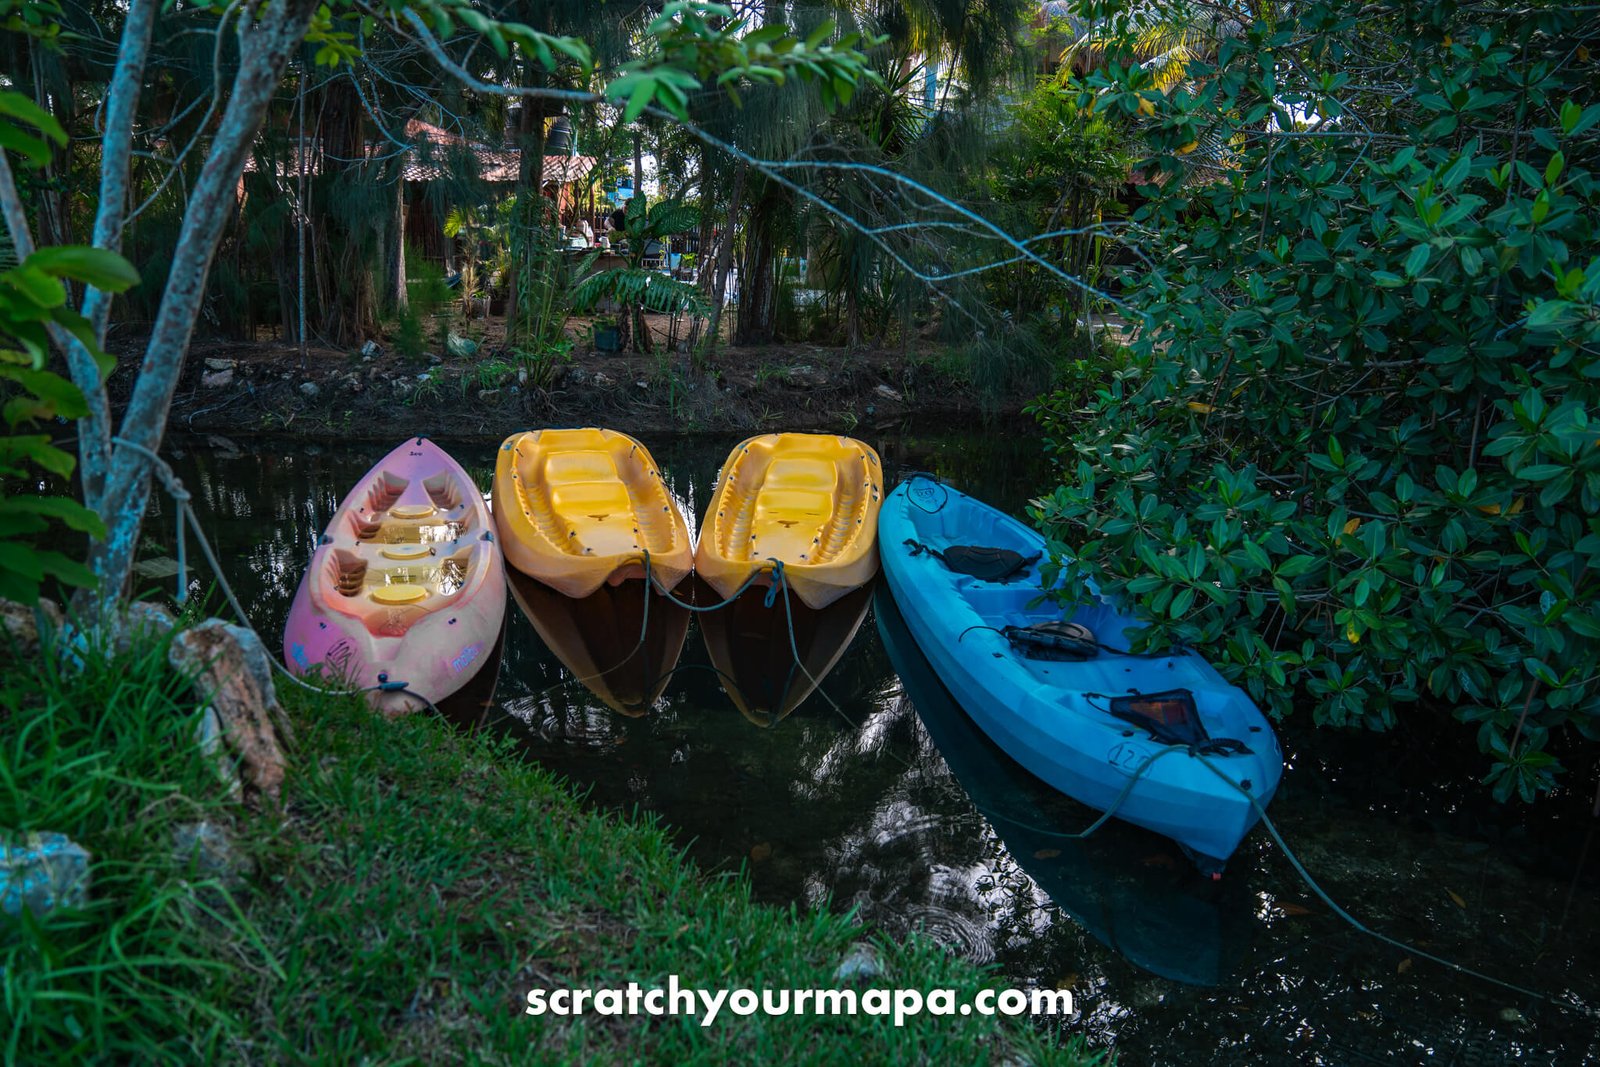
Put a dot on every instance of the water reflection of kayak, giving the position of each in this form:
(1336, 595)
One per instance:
(749, 645)
(1159, 919)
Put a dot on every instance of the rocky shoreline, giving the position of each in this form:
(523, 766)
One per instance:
(245, 389)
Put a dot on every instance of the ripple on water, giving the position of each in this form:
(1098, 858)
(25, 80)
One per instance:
(968, 936)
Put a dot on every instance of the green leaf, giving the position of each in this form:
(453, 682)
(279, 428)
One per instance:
(68, 570)
(1417, 261)
(34, 152)
(93, 266)
(17, 106)
(38, 287)
(66, 509)
(56, 395)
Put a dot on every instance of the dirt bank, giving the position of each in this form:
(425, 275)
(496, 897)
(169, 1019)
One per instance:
(248, 388)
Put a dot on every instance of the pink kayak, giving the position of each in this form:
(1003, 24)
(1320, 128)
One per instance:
(407, 585)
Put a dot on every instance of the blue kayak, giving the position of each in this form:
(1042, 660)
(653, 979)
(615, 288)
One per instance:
(1160, 740)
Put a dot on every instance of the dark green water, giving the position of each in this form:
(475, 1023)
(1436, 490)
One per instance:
(893, 805)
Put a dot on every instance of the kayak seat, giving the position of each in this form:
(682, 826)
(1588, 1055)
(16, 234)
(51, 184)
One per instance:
(983, 563)
(792, 508)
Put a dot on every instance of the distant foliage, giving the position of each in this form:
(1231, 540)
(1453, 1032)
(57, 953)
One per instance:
(1354, 454)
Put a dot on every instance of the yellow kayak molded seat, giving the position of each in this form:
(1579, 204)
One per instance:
(810, 500)
(578, 509)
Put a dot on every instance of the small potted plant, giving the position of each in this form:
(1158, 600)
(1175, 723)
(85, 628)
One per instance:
(607, 336)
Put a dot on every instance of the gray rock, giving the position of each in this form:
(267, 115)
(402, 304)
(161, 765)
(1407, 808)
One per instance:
(209, 739)
(141, 622)
(232, 671)
(488, 396)
(21, 625)
(220, 379)
(460, 346)
(888, 393)
(371, 349)
(602, 380)
(225, 445)
(219, 364)
(803, 374)
(208, 852)
(860, 964)
(310, 390)
(41, 872)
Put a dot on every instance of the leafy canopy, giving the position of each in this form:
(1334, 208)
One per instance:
(1355, 451)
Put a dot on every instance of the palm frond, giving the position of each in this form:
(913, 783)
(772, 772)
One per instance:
(635, 285)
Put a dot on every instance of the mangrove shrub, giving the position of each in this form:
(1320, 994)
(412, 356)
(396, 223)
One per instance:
(1354, 454)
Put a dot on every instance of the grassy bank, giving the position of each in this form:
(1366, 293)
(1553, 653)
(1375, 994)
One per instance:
(413, 886)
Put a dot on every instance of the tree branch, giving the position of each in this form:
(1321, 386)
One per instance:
(94, 429)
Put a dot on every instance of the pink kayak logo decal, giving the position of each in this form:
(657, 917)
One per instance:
(464, 660)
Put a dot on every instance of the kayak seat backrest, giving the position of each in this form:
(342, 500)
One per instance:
(346, 572)
(979, 563)
(856, 494)
(384, 491)
(446, 494)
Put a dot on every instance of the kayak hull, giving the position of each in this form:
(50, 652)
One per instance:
(1052, 716)
(1169, 923)
(807, 503)
(598, 548)
(578, 509)
(407, 586)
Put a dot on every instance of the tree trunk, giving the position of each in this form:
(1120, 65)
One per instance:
(525, 239)
(116, 154)
(265, 49)
(345, 247)
(754, 324)
(394, 259)
(719, 287)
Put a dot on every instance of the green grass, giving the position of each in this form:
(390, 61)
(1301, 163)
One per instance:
(415, 884)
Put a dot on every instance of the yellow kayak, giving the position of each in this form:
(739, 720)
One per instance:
(578, 509)
(810, 500)
(577, 512)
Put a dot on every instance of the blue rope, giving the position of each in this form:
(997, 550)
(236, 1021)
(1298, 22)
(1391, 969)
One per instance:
(1322, 894)
(755, 576)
